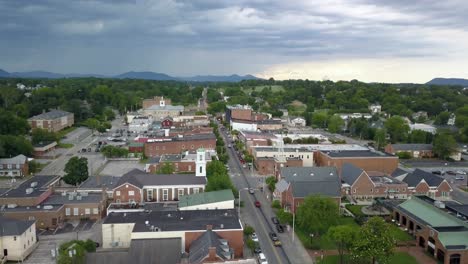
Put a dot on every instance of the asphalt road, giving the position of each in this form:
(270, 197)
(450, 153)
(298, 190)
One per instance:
(260, 218)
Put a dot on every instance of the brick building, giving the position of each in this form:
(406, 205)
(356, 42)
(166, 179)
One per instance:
(240, 112)
(255, 139)
(119, 229)
(361, 185)
(365, 159)
(184, 162)
(147, 103)
(44, 149)
(425, 183)
(167, 122)
(271, 166)
(299, 182)
(176, 145)
(159, 108)
(14, 167)
(442, 235)
(52, 121)
(415, 150)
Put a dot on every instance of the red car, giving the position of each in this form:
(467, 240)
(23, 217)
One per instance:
(257, 204)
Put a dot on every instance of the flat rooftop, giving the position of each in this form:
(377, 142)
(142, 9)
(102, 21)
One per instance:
(358, 154)
(104, 181)
(74, 198)
(36, 186)
(384, 180)
(177, 220)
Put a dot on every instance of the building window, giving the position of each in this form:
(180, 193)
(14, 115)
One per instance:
(117, 193)
(75, 211)
(131, 193)
(196, 190)
(403, 190)
(201, 169)
(354, 191)
(87, 211)
(14, 238)
(149, 194)
(95, 211)
(371, 190)
(376, 190)
(192, 146)
(9, 166)
(165, 194)
(67, 211)
(189, 167)
(180, 192)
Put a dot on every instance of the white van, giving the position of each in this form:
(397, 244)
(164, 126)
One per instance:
(262, 259)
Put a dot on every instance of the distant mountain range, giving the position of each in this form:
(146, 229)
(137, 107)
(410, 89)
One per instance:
(146, 75)
(448, 81)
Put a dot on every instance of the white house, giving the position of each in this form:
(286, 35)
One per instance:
(17, 238)
(298, 122)
(375, 108)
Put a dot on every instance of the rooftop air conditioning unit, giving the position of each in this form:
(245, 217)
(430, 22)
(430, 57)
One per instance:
(64, 194)
(70, 197)
(78, 197)
(33, 184)
(12, 206)
(48, 207)
(29, 190)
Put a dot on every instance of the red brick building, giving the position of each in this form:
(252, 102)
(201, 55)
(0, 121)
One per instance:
(147, 103)
(167, 122)
(271, 166)
(425, 183)
(53, 121)
(177, 145)
(415, 150)
(364, 159)
(44, 150)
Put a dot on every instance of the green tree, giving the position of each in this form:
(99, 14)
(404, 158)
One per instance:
(218, 178)
(43, 135)
(166, 168)
(317, 214)
(12, 124)
(92, 123)
(420, 136)
(335, 124)
(11, 146)
(109, 114)
(343, 236)
(76, 171)
(444, 145)
(271, 182)
(397, 128)
(319, 119)
(380, 138)
(374, 241)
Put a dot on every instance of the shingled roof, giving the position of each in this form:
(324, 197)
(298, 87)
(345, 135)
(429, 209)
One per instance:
(350, 173)
(199, 249)
(13, 227)
(414, 178)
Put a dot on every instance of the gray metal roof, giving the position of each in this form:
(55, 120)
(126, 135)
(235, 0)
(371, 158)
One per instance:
(104, 181)
(302, 189)
(13, 227)
(57, 199)
(350, 173)
(54, 114)
(177, 220)
(309, 174)
(20, 159)
(414, 178)
(140, 178)
(357, 154)
(199, 249)
(410, 147)
(166, 107)
(399, 172)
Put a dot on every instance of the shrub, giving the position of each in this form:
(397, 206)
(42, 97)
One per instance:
(251, 244)
(404, 155)
(276, 204)
(248, 230)
(284, 217)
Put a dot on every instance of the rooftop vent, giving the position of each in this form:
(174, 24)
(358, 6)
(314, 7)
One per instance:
(168, 215)
(146, 222)
(33, 184)
(221, 226)
(29, 190)
(48, 207)
(294, 174)
(331, 173)
(311, 174)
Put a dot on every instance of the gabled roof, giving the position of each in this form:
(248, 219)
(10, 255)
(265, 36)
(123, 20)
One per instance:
(206, 198)
(409, 147)
(199, 249)
(398, 172)
(281, 186)
(139, 178)
(309, 174)
(54, 114)
(350, 173)
(414, 178)
(13, 227)
(20, 159)
(301, 189)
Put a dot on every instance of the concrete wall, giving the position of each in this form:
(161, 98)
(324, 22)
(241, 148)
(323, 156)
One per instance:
(120, 233)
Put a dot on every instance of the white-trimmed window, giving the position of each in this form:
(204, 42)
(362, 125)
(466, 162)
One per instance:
(196, 190)
(131, 193)
(149, 194)
(180, 192)
(117, 193)
(75, 211)
(67, 211)
(95, 211)
(165, 194)
(87, 211)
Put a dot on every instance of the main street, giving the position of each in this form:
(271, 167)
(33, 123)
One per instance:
(260, 218)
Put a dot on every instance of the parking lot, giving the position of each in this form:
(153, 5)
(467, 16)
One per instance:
(119, 168)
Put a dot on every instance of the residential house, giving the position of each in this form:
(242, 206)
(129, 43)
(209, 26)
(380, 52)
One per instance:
(375, 108)
(167, 122)
(416, 150)
(14, 167)
(297, 122)
(425, 183)
(17, 239)
(53, 121)
(299, 182)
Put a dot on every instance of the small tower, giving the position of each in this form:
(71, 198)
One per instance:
(200, 163)
(162, 102)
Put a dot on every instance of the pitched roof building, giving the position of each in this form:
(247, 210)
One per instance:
(17, 238)
(425, 183)
(14, 167)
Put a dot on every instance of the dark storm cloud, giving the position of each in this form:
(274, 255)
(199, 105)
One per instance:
(224, 36)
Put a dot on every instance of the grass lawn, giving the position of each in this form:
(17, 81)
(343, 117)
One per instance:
(397, 258)
(355, 209)
(65, 131)
(65, 145)
(400, 235)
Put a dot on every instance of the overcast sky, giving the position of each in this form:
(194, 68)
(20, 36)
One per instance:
(368, 40)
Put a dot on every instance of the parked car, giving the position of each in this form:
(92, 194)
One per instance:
(273, 236)
(261, 258)
(277, 243)
(461, 172)
(258, 204)
(279, 228)
(258, 250)
(451, 173)
(275, 220)
(459, 177)
(437, 172)
(83, 150)
(251, 190)
(254, 237)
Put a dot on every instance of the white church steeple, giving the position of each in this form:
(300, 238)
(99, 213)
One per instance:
(200, 163)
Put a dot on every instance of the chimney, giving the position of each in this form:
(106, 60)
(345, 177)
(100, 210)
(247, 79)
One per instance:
(209, 227)
(212, 253)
